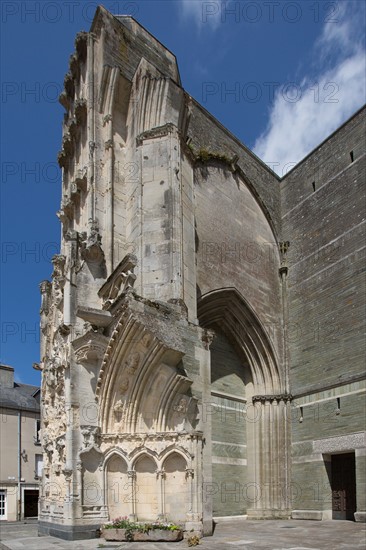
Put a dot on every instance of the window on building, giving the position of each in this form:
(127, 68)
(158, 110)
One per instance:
(39, 465)
(2, 504)
(37, 437)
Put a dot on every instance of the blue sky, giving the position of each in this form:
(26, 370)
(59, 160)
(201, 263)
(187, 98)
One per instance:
(281, 75)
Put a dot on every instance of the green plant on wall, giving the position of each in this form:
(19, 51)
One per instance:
(204, 155)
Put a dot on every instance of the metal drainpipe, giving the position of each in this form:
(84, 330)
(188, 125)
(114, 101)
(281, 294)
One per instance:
(19, 464)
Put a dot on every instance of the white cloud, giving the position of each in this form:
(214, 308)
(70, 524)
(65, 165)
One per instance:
(202, 12)
(322, 103)
(344, 32)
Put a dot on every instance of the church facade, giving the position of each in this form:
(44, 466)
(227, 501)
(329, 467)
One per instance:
(201, 339)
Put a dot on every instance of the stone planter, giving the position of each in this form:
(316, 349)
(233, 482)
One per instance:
(114, 534)
(155, 535)
(158, 535)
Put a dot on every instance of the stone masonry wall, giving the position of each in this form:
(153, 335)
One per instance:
(323, 220)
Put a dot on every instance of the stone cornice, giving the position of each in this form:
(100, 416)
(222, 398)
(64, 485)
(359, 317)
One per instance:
(159, 131)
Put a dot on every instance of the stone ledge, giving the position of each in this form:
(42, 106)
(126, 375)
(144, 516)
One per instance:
(68, 532)
(360, 517)
(307, 514)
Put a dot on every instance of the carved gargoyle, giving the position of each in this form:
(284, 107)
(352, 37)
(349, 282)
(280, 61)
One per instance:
(91, 250)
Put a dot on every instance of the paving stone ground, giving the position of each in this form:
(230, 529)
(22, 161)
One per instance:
(229, 535)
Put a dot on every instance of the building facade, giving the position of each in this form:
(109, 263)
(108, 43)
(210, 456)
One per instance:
(201, 337)
(21, 455)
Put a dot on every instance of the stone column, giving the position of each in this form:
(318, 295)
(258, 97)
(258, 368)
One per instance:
(269, 461)
(68, 511)
(194, 479)
(189, 478)
(161, 494)
(46, 288)
(77, 490)
(131, 474)
(206, 472)
(360, 456)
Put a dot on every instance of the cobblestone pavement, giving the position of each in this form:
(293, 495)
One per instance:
(229, 535)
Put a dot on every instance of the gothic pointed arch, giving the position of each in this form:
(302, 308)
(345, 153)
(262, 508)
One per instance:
(118, 489)
(140, 386)
(259, 478)
(228, 309)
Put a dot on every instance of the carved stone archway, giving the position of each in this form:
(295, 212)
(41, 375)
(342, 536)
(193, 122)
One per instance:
(147, 410)
(139, 386)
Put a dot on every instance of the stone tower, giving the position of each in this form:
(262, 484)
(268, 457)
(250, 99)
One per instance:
(166, 368)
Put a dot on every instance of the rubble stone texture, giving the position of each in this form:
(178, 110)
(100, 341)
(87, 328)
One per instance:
(201, 312)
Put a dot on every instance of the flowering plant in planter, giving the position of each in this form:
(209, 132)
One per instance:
(125, 523)
(138, 530)
(118, 523)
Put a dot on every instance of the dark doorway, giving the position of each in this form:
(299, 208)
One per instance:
(31, 503)
(343, 486)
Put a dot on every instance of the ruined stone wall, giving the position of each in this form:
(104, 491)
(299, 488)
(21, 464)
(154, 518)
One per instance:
(122, 366)
(172, 230)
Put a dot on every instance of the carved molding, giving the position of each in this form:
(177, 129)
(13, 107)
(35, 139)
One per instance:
(91, 438)
(91, 245)
(283, 249)
(157, 132)
(286, 397)
(90, 347)
(120, 281)
(45, 288)
(207, 337)
(58, 279)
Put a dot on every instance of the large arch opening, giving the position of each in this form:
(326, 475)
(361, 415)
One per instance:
(227, 309)
(248, 421)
